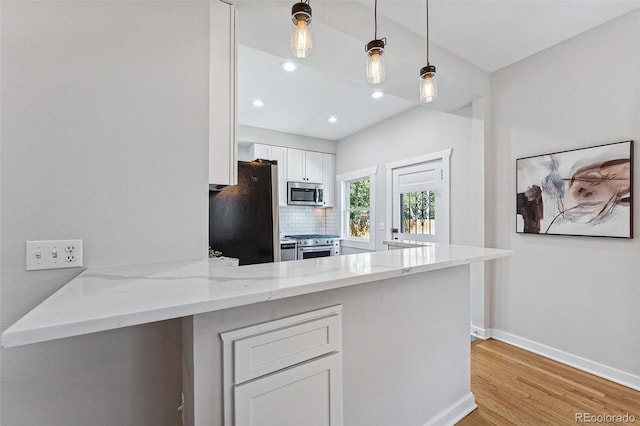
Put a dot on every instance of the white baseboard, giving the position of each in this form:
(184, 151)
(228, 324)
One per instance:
(481, 333)
(597, 369)
(454, 413)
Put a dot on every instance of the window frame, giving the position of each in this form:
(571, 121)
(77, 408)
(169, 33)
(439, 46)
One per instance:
(343, 183)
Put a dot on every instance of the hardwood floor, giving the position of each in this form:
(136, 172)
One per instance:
(516, 387)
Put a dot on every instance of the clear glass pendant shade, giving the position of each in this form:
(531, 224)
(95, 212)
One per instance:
(375, 64)
(301, 42)
(375, 69)
(428, 85)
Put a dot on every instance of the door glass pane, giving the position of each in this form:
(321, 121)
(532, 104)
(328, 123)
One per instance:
(418, 212)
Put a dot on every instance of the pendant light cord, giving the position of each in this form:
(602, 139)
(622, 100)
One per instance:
(375, 20)
(427, 1)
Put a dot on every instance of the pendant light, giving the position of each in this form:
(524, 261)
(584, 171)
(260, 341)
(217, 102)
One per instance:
(375, 50)
(428, 86)
(301, 43)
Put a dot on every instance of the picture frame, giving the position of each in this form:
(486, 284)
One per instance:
(580, 192)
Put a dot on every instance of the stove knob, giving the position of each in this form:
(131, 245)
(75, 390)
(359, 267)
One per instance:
(315, 241)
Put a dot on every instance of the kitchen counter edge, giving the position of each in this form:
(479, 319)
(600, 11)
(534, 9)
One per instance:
(101, 299)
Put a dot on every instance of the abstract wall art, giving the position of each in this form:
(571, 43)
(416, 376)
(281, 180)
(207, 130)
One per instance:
(586, 191)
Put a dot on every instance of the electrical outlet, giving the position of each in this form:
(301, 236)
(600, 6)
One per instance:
(54, 254)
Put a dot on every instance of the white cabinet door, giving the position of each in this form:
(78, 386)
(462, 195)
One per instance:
(253, 151)
(304, 166)
(313, 166)
(329, 179)
(261, 151)
(223, 167)
(279, 154)
(295, 165)
(309, 394)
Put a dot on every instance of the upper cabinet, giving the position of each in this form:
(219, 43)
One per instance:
(329, 179)
(296, 165)
(273, 153)
(279, 154)
(304, 166)
(223, 166)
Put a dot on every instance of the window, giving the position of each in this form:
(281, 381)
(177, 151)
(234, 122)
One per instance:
(359, 209)
(357, 206)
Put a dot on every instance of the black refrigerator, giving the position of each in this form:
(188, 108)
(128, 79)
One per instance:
(243, 219)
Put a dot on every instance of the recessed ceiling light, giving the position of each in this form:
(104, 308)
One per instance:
(377, 94)
(258, 103)
(332, 119)
(288, 66)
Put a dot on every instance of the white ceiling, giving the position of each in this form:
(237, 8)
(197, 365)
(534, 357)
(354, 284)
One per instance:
(295, 100)
(489, 34)
(493, 34)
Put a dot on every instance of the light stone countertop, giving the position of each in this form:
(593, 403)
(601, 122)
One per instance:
(407, 243)
(102, 299)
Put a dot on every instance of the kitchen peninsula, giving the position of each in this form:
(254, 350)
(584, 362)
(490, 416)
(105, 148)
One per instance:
(393, 328)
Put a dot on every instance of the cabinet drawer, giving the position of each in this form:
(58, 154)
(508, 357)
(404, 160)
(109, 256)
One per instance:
(269, 347)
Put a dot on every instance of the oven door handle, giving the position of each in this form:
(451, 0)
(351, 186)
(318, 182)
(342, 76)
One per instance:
(314, 248)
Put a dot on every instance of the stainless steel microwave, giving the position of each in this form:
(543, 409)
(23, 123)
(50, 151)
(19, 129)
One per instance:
(305, 194)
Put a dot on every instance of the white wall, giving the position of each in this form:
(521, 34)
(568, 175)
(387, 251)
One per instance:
(104, 138)
(249, 134)
(572, 297)
(418, 132)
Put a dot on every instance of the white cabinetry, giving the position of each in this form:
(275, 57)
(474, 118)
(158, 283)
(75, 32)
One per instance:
(279, 154)
(273, 153)
(304, 166)
(301, 395)
(297, 165)
(329, 179)
(313, 166)
(223, 167)
(285, 372)
(261, 151)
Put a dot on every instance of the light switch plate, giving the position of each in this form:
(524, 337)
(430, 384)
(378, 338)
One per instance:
(53, 254)
(380, 226)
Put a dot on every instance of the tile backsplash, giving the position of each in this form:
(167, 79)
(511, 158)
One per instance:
(308, 220)
(332, 221)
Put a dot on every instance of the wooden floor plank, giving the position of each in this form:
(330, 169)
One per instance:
(516, 387)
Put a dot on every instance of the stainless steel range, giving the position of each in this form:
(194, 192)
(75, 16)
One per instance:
(316, 245)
